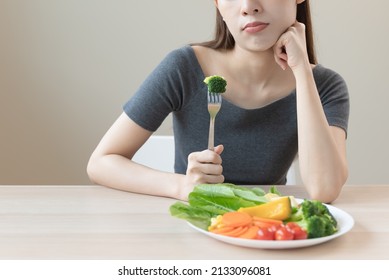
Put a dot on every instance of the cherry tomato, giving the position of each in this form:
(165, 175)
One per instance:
(273, 228)
(283, 233)
(299, 233)
(265, 234)
(291, 225)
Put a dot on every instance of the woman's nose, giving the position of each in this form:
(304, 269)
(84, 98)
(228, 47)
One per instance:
(250, 7)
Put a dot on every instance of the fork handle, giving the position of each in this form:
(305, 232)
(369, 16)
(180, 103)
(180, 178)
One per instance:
(211, 136)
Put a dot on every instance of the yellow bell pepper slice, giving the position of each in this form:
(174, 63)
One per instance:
(278, 209)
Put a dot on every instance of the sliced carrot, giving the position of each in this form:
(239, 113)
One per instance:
(236, 219)
(221, 230)
(267, 221)
(269, 224)
(236, 232)
(264, 224)
(251, 233)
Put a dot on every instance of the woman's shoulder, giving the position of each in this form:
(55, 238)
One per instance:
(181, 59)
(194, 58)
(185, 52)
(322, 73)
(330, 83)
(196, 53)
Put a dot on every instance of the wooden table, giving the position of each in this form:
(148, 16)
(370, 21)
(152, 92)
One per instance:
(94, 222)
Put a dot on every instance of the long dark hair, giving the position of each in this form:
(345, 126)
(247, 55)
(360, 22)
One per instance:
(224, 40)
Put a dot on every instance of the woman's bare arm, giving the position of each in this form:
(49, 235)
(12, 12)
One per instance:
(111, 165)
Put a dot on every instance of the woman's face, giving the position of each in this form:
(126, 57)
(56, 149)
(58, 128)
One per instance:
(256, 25)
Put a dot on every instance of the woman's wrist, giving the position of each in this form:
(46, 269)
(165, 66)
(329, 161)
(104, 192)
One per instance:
(302, 69)
(179, 187)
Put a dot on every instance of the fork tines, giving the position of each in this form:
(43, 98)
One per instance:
(214, 97)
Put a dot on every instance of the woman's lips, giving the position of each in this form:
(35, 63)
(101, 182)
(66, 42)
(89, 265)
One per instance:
(254, 27)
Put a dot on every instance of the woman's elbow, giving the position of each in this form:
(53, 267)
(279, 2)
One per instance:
(323, 195)
(328, 189)
(92, 169)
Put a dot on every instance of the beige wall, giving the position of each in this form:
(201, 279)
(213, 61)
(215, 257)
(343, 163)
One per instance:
(66, 68)
(353, 39)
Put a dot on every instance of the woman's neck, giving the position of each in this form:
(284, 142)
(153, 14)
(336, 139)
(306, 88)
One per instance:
(255, 79)
(254, 68)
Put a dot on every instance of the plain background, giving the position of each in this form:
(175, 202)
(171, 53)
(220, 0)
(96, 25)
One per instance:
(67, 67)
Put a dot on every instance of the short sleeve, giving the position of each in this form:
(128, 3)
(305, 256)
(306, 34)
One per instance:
(334, 96)
(162, 91)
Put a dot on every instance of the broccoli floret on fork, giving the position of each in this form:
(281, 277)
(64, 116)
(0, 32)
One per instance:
(216, 84)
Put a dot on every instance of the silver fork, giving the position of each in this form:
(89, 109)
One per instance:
(214, 104)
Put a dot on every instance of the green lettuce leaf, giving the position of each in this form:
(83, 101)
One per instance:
(218, 205)
(196, 216)
(274, 190)
(250, 195)
(258, 191)
(209, 200)
(232, 191)
(214, 190)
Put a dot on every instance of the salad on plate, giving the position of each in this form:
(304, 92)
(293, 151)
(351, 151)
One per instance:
(251, 213)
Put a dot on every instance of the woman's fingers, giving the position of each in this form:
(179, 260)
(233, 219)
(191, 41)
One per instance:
(206, 156)
(214, 179)
(290, 49)
(206, 166)
(219, 149)
(280, 55)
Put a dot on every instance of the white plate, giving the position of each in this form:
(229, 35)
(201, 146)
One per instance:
(345, 224)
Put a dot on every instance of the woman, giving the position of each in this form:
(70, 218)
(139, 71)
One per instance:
(275, 93)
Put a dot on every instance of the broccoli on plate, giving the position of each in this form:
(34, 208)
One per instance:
(315, 218)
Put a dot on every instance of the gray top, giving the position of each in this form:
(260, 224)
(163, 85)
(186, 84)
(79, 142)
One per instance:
(259, 144)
